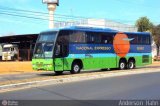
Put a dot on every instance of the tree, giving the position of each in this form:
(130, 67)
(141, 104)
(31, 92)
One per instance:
(156, 36)
(144, 24)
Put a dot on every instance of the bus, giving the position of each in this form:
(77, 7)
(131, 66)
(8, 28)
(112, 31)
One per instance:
(84, 48)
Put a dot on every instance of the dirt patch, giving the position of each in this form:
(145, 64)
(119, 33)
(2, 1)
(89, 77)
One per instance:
(155, 63)
(15, 67)
(26, 67)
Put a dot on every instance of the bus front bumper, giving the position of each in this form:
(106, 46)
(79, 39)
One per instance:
(43, 64)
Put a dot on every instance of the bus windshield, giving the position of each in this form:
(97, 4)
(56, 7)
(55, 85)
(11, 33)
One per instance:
(47, 37)
(43, 50)
(44, 45)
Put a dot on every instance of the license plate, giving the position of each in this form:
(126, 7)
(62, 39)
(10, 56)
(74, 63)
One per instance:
(39, 64)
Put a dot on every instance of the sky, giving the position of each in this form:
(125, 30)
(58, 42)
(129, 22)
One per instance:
(124, 11)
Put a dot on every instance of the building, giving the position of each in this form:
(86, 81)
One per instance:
(98, 23)
(25, 42)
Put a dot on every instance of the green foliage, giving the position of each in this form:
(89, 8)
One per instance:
(156, 34)
(144, 24)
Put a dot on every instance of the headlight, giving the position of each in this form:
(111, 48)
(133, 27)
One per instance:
(33, 65)
(49, 65)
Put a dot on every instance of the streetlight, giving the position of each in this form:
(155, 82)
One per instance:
(51, 8)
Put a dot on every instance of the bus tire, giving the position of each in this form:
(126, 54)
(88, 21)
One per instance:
(58, 72)
(122, 65)
(131, 64)
(76, 68)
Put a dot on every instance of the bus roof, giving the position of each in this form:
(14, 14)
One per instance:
(96, 29)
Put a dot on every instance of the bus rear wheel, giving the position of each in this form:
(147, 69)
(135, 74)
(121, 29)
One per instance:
(76, 68)
(122, 65)
(131, 64)
(58, 72)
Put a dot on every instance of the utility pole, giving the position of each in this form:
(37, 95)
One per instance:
(51, 4)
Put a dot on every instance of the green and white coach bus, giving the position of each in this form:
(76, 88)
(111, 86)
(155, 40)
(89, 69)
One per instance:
(76, 48)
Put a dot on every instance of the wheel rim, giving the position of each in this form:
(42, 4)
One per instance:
(76, 68)
(122, 65)
(131, 65)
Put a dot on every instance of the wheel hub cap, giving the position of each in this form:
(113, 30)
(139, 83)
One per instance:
(76, 68)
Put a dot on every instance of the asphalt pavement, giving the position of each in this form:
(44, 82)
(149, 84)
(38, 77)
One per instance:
(49, 74)
(12, 77)
(141, 86)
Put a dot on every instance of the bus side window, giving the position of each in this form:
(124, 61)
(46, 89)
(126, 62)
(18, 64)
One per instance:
(145, 40)
(93, 37)
(134, 39)
(140, 40)
(107, 38)
(105, 41)
(77, 37)
(90, 37)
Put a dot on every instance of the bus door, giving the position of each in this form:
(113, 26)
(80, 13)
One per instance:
(61, 51)
(58, 60)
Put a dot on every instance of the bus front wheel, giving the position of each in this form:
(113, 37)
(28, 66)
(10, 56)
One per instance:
(76, 68)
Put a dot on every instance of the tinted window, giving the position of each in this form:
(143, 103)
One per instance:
(145, 40)
(78, 37)
(63, 37)
(107, 38)
(93, 37)
(138, 39)
(134, 39)
(47, 37)
(100, 38)
(62, 44)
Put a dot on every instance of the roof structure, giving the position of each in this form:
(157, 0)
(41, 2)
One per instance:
(19, 38)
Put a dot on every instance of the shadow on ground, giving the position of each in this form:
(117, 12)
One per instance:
(92, 71)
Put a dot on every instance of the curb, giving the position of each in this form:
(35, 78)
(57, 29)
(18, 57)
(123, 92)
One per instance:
(18, 86)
